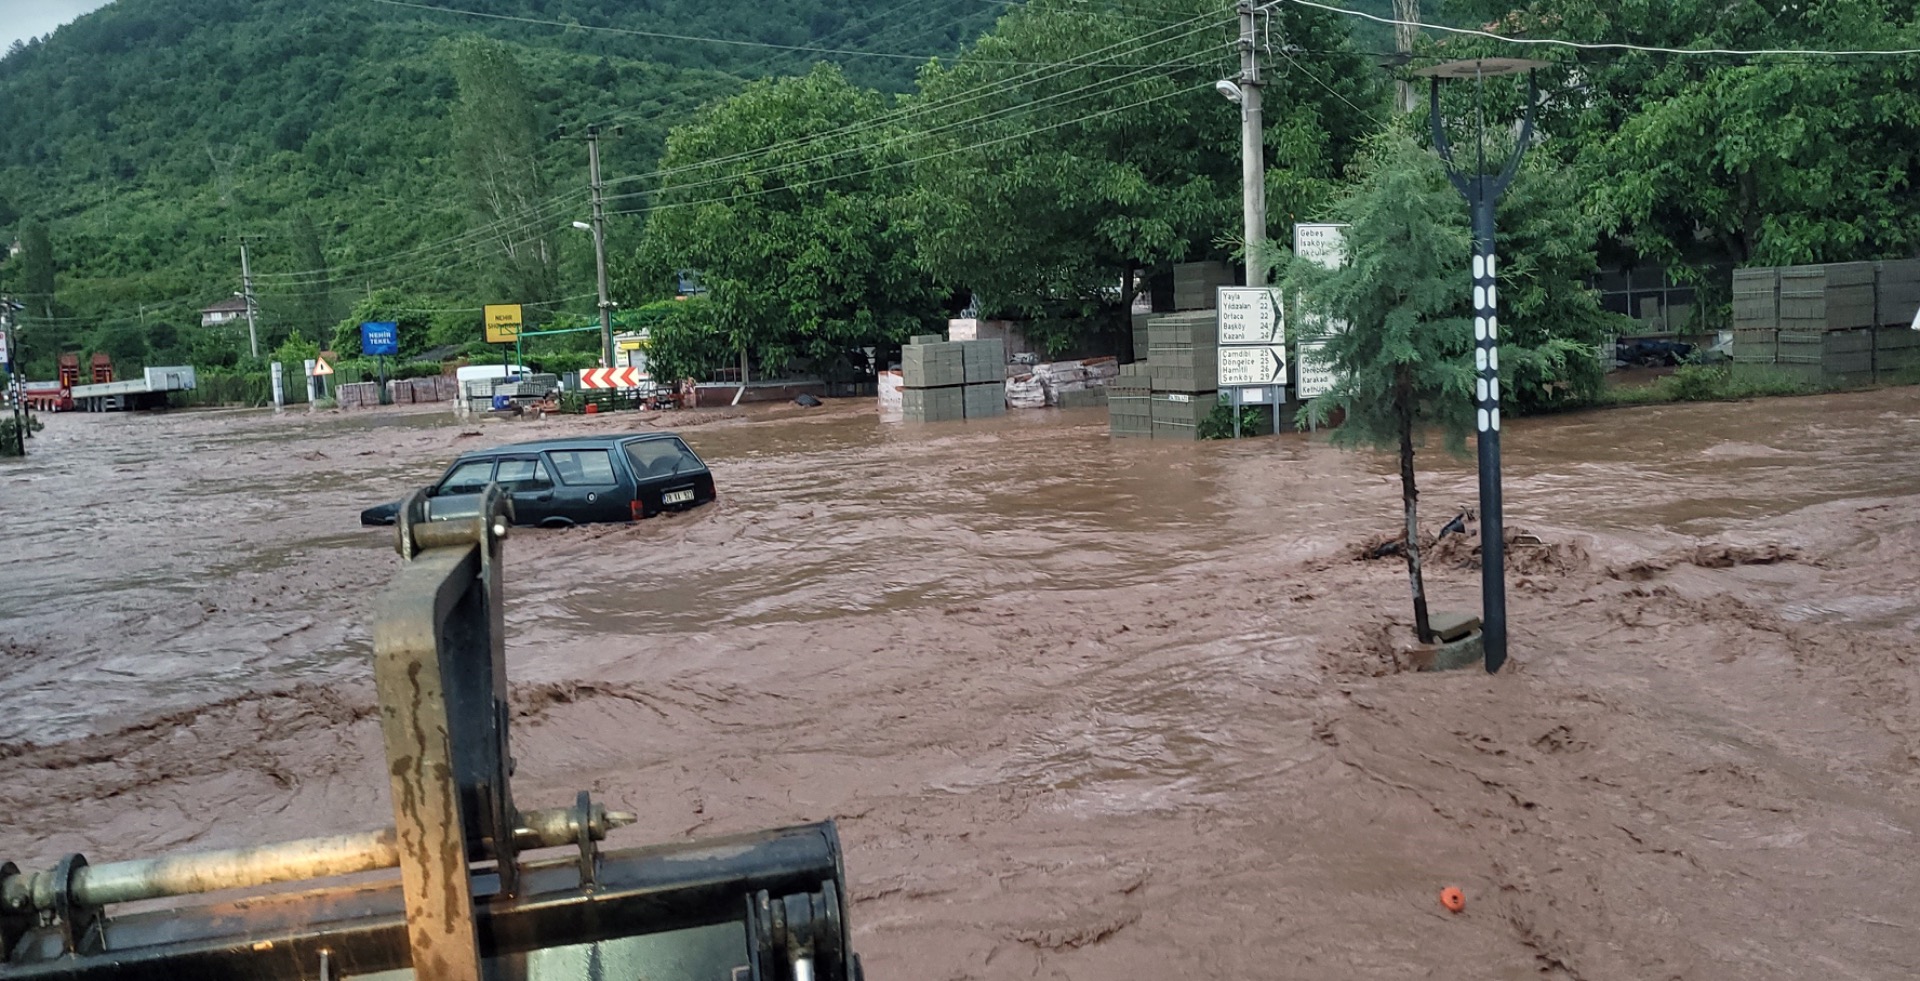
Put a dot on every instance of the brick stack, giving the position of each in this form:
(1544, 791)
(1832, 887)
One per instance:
(933, 380)
(984, 363)
(1839, 324)
(1183, 356)
(1130, 401)
(1196, 284)
(1756, 315)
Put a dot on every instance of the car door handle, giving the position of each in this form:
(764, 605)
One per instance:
(544, 497)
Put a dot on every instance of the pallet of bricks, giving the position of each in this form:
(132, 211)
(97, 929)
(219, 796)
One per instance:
(1130, 400)
(1828, 325)
(352, 395)
(1896, 345)
(1182, 354)
(945, 381)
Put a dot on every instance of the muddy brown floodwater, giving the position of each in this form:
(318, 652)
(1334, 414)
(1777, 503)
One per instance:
(1083, 709)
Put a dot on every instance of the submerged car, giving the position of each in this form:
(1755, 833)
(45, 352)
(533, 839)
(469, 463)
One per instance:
(560, 482)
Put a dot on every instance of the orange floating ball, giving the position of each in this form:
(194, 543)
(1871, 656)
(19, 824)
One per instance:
(1453, 899)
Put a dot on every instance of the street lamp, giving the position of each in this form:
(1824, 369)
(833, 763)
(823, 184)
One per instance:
(600, 265)
(1482, 190)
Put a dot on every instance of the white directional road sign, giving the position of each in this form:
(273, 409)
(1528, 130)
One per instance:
(1324, 244)
(1316, 376)
(1250, 315)
(1262, 364)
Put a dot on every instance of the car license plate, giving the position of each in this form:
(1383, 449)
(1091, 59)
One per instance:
(679, 496)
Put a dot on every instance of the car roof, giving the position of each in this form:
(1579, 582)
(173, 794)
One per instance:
(594, 442)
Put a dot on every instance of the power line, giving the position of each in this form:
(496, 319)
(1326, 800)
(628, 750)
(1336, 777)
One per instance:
(931, 156)
(914, 110)
(1101, 83)
(661, 35)
(1604, 46)
(436, 253)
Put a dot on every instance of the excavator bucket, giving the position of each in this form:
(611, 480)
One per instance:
(464, 885)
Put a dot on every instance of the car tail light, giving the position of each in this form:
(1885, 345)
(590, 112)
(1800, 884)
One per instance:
(639, 509)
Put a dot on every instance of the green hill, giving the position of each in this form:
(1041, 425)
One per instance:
(150, 135)
(146, 140)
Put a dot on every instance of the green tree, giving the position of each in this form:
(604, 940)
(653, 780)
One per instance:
(1046, 191)
(384, 306)
(685, 339)
(1401, 366)
(1551, 319)
(315, 312)
(797, 245)
(496, 141)
(37, 270)
(1770, 160)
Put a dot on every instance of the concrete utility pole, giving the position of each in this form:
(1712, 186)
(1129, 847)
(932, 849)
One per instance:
(246, 283)
(16, 390)
(1253, 168)
(1407, 12)
(600, 245)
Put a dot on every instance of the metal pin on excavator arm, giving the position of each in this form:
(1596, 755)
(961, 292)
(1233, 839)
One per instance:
(468, 905)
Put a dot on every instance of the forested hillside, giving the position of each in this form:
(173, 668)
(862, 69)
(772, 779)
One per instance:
(145, 139)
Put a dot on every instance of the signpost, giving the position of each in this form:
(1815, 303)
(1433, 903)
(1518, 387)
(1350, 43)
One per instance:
(380, 338)
(1253, 366)
(1252, 354)
(1326, 244)
(1323, 243)
(1315, 375)
(503, 323)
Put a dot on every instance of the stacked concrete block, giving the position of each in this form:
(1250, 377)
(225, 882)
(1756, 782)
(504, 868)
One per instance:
(1751, 346)
(933, 404)
(1196, 284)
(1896, 291)
(1184, 353)
(984, 401)
(1756, 300)
(933, 375)
(1896, 354)
(1835, 296)
(984, 361)
(1130, 402)
(1177, 415)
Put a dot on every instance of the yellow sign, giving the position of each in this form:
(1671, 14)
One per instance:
(503, 323)
(321, 367)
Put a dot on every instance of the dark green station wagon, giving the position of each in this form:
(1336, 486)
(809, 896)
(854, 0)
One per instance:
(560, 482)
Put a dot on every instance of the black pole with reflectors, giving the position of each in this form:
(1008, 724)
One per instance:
(1482, 191)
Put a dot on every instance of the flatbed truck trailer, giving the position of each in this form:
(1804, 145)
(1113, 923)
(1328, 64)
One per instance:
(149, 391)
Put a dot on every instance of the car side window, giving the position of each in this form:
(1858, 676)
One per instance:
(524, 475)
(660, 457)
(578, 467)
(468, 478)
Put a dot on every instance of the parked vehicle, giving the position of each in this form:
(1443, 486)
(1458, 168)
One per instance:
(561, 482)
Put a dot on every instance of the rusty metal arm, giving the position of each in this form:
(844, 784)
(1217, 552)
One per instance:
(262, 865)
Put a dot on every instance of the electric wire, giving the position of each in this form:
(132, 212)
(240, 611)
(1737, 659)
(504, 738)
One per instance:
(1605, 46)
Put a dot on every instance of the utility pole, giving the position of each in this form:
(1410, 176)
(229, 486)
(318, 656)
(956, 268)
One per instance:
(1407, 12)
(246, 283)
(1253, 168)
(16, 389)
(600, 246)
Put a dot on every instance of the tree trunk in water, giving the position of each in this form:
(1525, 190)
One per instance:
(1410, 495)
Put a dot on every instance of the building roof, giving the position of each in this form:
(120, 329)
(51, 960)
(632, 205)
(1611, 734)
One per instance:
(232, 304)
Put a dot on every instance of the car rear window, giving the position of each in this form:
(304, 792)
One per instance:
(468, 478)
(583, 466)
(661, 457)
